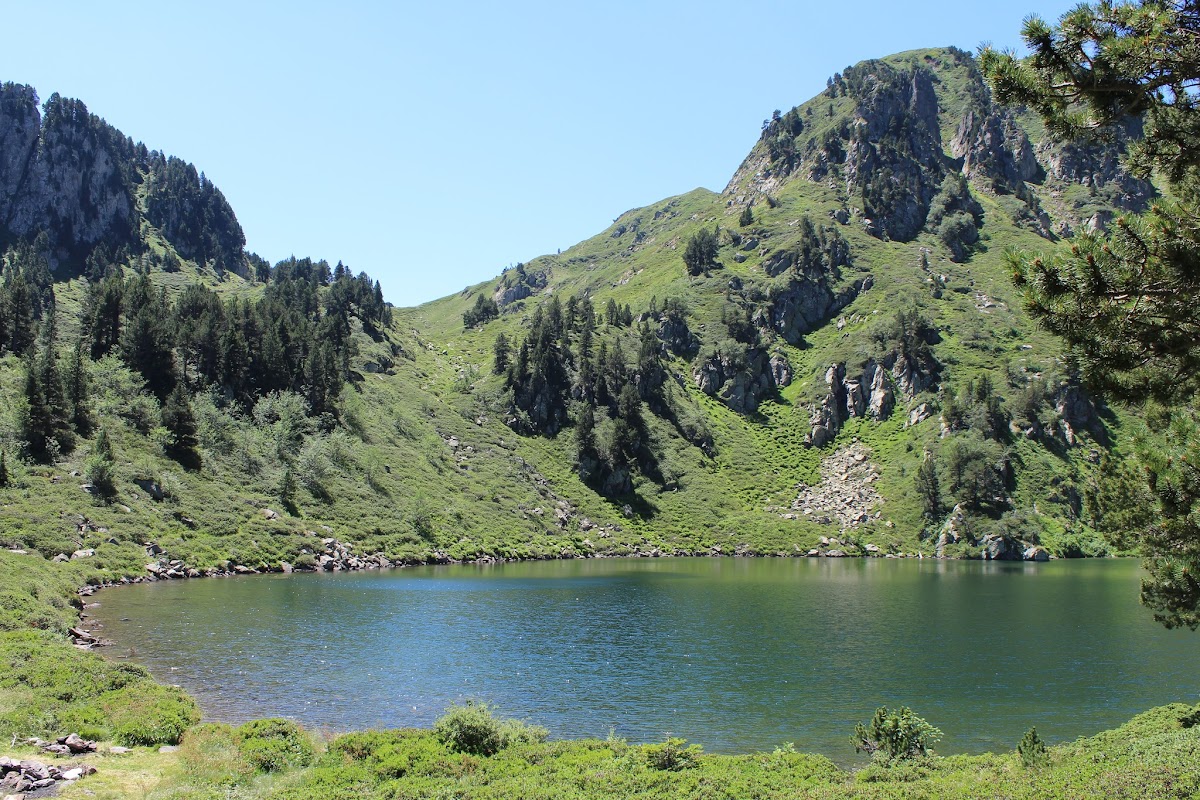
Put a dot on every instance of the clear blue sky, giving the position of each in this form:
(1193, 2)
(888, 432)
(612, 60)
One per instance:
(433, 143)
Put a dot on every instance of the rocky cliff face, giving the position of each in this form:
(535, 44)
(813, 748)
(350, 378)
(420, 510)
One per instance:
(994, 147)
(894, 161)
(63, 175)
(72, 176)
(870, 393)
(742, 380)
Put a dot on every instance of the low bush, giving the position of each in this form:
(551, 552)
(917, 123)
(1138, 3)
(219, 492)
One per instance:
(473, 728)
(895, 735)
(146, 713)
(673, 755)
(272, 745)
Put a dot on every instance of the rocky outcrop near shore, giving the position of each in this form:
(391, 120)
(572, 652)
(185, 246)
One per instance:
(19, 776)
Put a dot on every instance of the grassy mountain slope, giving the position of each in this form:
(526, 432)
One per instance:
(424, 461)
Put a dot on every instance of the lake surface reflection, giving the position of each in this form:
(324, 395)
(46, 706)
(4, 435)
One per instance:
(736, 654)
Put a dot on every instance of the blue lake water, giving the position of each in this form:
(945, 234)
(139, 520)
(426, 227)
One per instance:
(735, 654)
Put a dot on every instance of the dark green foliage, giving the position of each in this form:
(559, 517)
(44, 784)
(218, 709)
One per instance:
(1170, 541)
(820, 251)
(955, 216)
(909, 335)
(897, 735)
(500, 355)
(975, 472)
(976, 407)
(1032, 750)
(20, 330)
(149, 714)
(1125, 302)
(102, 314)
(928, 487)
(673, 755)
(75, 691)
(779, 134)
(273, 745)
(146, 336)
(651, 375)
(75, 388)
(45, 420)
(194, 215)
(746, 217)
(100, 469)
(958, 232)
(5, 478)
(700, 252)
(180, 422)
(587, 458)
(484, 310)
(539, 377)
(473, 728)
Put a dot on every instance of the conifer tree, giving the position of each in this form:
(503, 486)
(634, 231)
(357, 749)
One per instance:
(37, 423)
(180, 422)
(700, 253)
(1125, 302)
(101, 465)
(76, 389)
(500, 354)
(22, 333)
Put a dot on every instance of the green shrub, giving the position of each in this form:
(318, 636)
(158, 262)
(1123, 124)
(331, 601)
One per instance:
(472, 728)
(673, 755)
(147, 713)
(895, 735)
(271, 745)
(1032, 749)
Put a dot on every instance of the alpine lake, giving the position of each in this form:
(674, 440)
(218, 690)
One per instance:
(735, 654)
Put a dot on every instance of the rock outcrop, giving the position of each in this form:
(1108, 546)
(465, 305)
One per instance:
(742, 380)
(71, 168)
(1098, 165)
(871, 394)
(803, 303)
(73, 177)
(18, 776)
(993, 146)
(517, 284)
(894, 159)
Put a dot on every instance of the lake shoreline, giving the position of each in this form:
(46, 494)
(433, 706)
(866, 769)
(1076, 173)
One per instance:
(341, 560)
(674, 629)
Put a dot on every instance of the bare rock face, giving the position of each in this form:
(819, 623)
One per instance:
(676, 336)
(66, 168)
(781, 370)
(742, 382)
(1076, 412)
(894, 159)
(1098, 166)
(870, 394)
(518, 284)
(993, 146)
(806, 302)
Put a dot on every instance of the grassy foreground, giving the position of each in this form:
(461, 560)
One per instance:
(49, 688)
